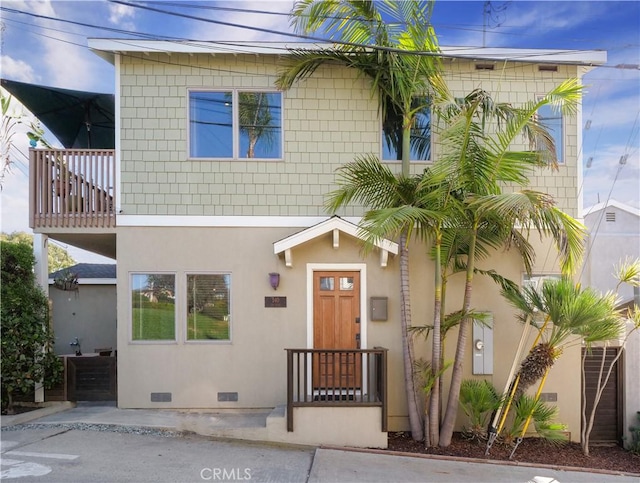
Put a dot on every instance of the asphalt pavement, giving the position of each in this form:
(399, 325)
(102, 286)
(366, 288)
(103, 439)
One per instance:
(102, 443)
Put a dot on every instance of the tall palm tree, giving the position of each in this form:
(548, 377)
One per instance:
(392, 55)
(485, 161)
(256, 120)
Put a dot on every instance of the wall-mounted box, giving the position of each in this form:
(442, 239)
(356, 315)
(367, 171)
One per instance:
(483, 347)
(378, 308)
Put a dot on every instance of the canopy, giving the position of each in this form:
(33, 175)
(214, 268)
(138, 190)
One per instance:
(77, 119)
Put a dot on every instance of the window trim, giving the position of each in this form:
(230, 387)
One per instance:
(563, 130)
(235, 119)
(175, 339)
(184, 323)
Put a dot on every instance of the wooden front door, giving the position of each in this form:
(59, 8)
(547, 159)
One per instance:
(336, 325)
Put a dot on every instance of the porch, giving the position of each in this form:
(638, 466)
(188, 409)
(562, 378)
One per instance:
(72, 189)
(337, 396)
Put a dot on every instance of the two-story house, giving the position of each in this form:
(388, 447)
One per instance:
(227, 260)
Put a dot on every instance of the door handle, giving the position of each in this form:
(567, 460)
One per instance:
(357, 341)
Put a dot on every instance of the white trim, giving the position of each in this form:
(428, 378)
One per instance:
(118, 141)
(333, 225)
(545, 56)
(591, 210)
(225, 221)
(364, 317)
(236, 155)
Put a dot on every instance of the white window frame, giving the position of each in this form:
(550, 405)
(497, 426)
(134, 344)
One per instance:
(175, 309)
(235, 123)
(185, 309)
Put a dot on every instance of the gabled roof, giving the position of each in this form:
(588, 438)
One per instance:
(334, 225)
(89, 273)
(611, 204)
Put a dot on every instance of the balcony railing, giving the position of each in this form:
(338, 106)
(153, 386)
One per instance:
(72, 188)
(346, 378)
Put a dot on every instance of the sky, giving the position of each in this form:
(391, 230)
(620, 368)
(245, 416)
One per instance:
(47, 45)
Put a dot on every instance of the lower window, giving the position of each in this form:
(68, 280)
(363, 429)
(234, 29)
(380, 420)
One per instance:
(208, 303)
(153, 306)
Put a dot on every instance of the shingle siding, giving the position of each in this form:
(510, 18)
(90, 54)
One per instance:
(327, 120)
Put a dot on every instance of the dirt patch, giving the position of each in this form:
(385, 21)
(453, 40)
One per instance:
(19, 409)
(531, 450)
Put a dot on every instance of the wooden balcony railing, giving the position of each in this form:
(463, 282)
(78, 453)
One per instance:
(323, 377)
(72, 188)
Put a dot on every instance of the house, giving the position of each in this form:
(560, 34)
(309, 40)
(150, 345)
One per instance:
(86, 311)
(235, 289)
(614, 236)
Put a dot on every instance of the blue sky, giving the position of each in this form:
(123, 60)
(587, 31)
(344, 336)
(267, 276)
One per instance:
(40, 50)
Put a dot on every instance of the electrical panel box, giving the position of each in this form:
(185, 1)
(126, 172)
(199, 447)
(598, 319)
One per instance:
(378, 308)
(483, 347)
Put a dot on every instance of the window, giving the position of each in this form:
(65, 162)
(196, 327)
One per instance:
(235, 124)
(208, 305)
(420, 134)
(551, 119)
(153, 307)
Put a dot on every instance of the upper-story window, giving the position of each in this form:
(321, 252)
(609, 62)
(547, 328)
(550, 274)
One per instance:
(551, 119)
(420, 134)
(235, 124)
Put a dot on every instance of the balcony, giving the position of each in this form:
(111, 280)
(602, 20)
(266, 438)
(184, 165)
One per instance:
(72, 189)
(321, 378)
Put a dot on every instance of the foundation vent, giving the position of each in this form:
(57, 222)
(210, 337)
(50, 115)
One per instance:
(227, 397)
(160, 397)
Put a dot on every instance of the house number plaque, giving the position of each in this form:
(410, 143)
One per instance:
(272, 302)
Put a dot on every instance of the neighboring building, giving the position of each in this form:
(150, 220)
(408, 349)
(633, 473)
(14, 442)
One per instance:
(226, 256)
(86, 311)
(614, 236)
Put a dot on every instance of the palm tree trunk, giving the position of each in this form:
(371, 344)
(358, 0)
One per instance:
(434, 402)
(446, 432)
(415, 422)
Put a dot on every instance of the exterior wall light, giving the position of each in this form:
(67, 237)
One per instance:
(274, 280)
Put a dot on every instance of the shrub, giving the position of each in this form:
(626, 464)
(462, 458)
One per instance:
(27, 338)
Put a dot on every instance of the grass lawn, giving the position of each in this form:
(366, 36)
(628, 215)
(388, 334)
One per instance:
(203, 327)
(154, 323)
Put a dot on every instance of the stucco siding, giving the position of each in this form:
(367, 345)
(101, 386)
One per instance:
(253, 363)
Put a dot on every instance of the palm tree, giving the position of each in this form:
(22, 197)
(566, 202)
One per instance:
(484, 161)
(392, 56)
(256, 120)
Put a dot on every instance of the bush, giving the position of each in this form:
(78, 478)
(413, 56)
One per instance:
(27, 338)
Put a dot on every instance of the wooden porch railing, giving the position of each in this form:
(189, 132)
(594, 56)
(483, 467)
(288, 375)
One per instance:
(72, 188)
(346, 378)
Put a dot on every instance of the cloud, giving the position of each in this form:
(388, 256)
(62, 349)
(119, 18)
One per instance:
(17, 70)
(276, 23)
(122, 16)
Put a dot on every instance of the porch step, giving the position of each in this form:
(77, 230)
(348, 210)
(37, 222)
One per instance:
(240, 425)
